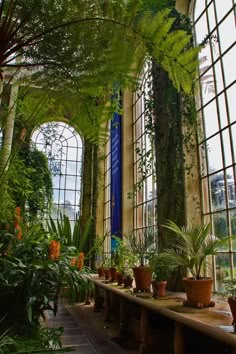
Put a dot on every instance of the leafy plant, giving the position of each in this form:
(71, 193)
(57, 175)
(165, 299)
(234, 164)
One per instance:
(39, 201)
(161, 266)
(76, 237)
(229, 288)
(14, 180)
(33, 275)
(65, 72)
(6, 341)
(123, 258)
(190, 246)
(141, 244)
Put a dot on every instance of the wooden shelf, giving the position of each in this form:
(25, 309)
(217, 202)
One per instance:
(168, 320)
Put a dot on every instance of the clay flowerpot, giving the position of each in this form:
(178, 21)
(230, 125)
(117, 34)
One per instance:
(119, 277)
(143, 278)
(127, 282)
(107, 273)
(159, 288)
(198, 292)
(113, 273)
(232, 305)
(100, 272)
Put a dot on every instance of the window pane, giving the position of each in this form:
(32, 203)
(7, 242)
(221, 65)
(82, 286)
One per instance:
(211, 119)
(227, 147)
(230, 188)
(233, 130)
(231, 94)
(222, 111)
(214, 153)
(222, 269)
(70, 182)
(217, 185)
(229, 66)
(226, 32)
(220, 224)
(201, 29)
(222, 7)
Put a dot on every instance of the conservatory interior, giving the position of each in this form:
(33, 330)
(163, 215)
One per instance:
(118, 176)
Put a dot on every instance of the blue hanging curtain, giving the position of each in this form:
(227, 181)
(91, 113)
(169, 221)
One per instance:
(116, 190)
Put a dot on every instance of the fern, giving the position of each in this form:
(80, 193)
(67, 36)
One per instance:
(83, 47)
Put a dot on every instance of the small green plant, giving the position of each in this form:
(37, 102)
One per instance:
(142, 244)
(107, 262)
(161, 266)
(123, 258)
(229, 288)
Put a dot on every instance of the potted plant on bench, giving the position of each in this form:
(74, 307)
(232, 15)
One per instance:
(189, 247)
(142, 244)
(161, 265)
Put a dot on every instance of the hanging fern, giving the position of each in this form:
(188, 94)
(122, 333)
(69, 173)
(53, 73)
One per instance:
(80, 49)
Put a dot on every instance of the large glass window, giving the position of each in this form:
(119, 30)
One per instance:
(214, 22)
(145, 193)
(63, 146)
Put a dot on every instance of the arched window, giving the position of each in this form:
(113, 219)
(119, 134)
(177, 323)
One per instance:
(63, 146)
(214, 21)
(144, 194)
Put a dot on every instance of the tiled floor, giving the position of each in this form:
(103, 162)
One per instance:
(86, 331)
(73, 334)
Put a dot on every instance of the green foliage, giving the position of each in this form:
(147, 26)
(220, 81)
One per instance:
(190, 246)
(171, 49)
(39, 201)
(31, 281)
(6, 341)
(78, 237)
(14, 181)
(123, 258)
(142, 244)
(161, 266)
(230, 288)
(65, 46)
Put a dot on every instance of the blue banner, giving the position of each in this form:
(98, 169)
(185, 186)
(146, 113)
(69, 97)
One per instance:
(116, 193)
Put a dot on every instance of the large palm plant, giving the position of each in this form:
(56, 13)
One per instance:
(190, 246)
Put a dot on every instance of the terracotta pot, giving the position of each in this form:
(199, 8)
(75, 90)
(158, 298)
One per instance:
(232, 305)
(143, 278)
(100, 272)
(119, 277)
(198, 292)
(113, 273)
(159, 288)
(128, 282)
(107, 273)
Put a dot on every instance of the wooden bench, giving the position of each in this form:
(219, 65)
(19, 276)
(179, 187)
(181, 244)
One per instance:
(164, 325)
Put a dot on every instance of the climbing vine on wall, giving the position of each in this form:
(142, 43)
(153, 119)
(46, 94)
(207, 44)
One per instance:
(145, 155)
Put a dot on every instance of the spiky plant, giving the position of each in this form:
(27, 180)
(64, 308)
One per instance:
(190, 246)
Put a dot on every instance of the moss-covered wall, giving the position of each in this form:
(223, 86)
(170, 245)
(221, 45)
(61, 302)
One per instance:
(169, 158)
(89, 189)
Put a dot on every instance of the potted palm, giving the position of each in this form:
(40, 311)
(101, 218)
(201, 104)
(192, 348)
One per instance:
(142, 245)
(161, 266)
(190, 247)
